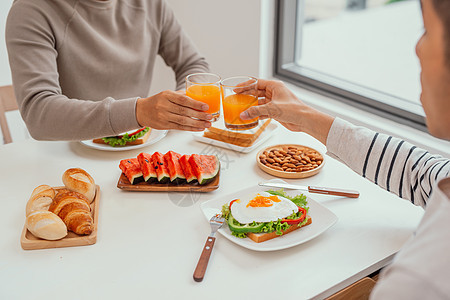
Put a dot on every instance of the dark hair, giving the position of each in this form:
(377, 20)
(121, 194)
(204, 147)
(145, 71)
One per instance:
(442, 8)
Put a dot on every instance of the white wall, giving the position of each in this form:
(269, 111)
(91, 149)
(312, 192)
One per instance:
(227, 33)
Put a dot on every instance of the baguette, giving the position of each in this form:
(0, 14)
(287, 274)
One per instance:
(40, 199)
(138, 141)
(78, 180)
(46, 225)
(262, 237)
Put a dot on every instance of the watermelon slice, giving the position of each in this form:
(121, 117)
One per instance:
(205, 167)
(187, 169)
(173, 164)
(148, 171)
(131, 168)
(162, 173)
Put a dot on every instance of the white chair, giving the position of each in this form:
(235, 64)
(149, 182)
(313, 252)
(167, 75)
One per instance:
(7, 103)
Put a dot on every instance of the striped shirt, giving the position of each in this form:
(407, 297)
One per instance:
(392, 163)
(421, 269)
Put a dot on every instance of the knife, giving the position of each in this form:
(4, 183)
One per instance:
(314, 189)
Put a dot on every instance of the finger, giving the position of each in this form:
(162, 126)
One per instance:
(189, 112)
(184, 121)
(263, 100)
(186, 128)
(255, 111)
(247, 87)
(186, 101)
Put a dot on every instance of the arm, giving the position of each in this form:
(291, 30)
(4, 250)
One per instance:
(177, 50)
(391, 163)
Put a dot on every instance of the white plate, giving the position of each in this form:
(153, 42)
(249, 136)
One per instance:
(155, 136)
(271, 128)
(322, 219)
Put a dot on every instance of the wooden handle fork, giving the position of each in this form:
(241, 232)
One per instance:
(200, 270)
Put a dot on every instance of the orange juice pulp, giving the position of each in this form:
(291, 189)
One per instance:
(233, 105)
(209, 94)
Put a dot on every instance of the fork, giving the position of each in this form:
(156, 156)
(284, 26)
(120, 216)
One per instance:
(216, 222)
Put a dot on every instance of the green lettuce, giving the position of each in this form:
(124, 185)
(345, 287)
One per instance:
(115, 141)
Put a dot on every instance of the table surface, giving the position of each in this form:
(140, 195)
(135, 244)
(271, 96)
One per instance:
(149, 243)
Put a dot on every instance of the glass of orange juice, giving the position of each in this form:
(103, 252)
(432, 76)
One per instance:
(205, 87)
(238, 94)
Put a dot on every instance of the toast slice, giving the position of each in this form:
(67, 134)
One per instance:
(244, 139)
(262, 237)
(139, 141)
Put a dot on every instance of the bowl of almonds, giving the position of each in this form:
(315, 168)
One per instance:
(290, 161)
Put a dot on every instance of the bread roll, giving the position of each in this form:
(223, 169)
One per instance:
(46, 225)
(40, 199)
(74, 209)
(80, 181)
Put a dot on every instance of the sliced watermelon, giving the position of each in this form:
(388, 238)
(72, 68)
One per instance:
(173, 164)
(148, 171)
(131, 168)
(187, 169)
(205, 167)
(162, 173)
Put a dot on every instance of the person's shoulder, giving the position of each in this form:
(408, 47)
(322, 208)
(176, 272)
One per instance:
(41, 7)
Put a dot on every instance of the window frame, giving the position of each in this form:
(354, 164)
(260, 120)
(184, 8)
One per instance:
(288, 46)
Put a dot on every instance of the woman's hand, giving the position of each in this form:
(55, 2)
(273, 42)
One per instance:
(282, 105)
(172, 110)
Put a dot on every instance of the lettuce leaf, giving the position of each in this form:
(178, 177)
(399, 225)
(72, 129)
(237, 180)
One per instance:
(115, 141)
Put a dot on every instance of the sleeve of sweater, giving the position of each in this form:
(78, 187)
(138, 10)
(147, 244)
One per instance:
(177, 50)
(389, 162)
(47, 112)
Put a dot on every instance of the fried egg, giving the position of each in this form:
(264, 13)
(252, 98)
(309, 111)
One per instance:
(262, 207)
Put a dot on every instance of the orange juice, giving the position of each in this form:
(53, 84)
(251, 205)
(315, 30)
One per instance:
(209, 94)
(233, 105)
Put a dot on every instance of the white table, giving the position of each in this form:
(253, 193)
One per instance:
(149, 243)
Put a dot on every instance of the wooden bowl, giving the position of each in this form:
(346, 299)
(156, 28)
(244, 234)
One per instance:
(290, 174)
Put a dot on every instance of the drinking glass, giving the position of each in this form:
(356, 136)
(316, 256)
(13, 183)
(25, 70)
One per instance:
(238, 94)
(205, 87)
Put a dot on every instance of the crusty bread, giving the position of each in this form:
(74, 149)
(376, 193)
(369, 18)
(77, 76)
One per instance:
(40, 199)
(75, 211)
(245, 138)
(262, 237)
(138, 141)
(78, 180)
(46, 225)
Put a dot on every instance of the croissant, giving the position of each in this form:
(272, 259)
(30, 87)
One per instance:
(74, 209)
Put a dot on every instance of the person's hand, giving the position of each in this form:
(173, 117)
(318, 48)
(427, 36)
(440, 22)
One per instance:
(172, 110)
(281, 104)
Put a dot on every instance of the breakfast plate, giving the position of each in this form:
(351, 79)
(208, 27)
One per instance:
(268, 132)
(322, 219)
(155, 136)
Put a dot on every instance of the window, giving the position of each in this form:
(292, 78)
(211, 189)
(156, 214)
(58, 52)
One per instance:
(361, 52)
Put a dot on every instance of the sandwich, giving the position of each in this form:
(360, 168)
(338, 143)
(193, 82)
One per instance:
(137, 137)
(266, 215)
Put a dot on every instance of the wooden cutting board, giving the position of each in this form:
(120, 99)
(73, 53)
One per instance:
(29, 242)
(125, 184)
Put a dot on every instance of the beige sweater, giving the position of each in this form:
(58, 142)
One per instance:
(78, 66)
